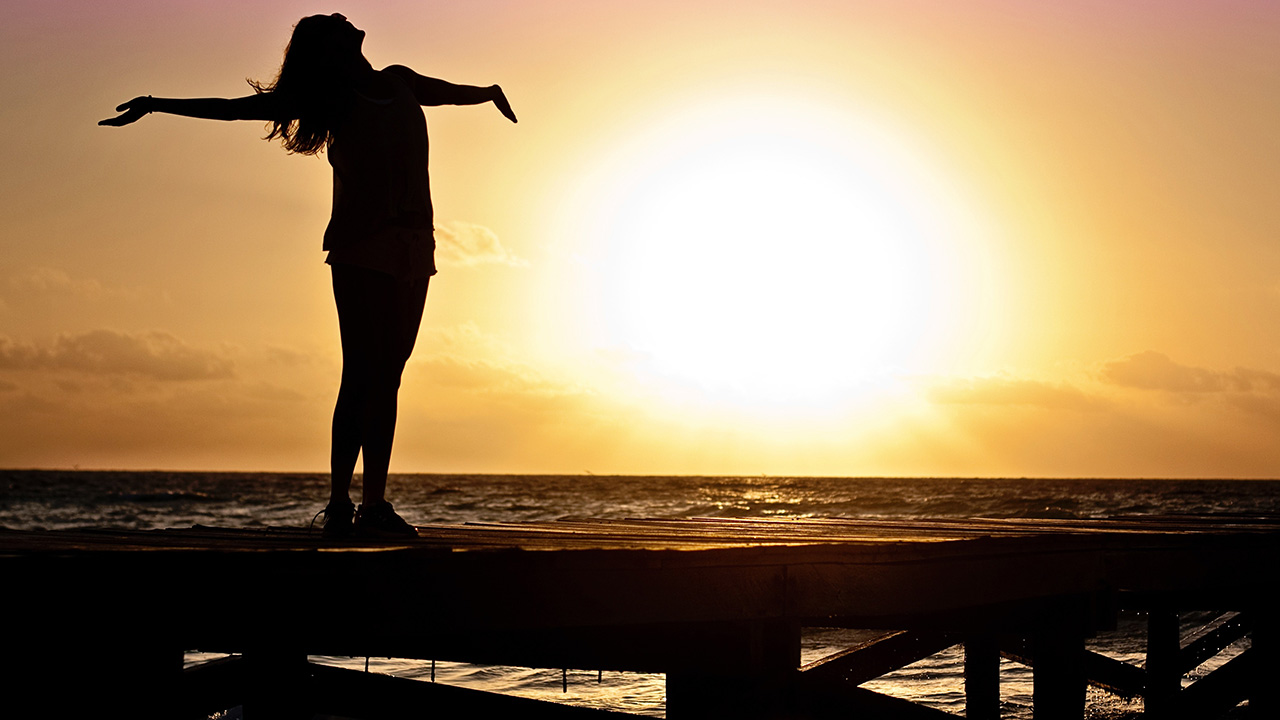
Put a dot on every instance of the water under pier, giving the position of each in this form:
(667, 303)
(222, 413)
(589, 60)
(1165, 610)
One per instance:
(716, 604)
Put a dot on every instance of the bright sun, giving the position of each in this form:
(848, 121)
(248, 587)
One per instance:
(775, 255)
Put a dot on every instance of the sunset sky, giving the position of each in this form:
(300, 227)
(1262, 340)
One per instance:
(813, 237)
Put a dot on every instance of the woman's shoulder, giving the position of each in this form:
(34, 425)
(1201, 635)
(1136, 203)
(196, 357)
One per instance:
(395, 80)
(401, 77)
(384, 86)
(401, 73)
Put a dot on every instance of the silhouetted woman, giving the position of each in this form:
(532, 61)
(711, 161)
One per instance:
(381, 249)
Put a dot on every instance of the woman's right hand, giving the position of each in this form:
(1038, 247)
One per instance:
(130, 111)
(504, 107)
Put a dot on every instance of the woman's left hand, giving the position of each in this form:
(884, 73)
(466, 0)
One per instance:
(132, 110)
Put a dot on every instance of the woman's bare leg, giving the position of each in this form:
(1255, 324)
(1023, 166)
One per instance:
(345, 448)
(379, 319)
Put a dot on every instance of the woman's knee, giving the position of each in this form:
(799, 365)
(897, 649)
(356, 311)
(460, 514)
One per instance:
(373, 380)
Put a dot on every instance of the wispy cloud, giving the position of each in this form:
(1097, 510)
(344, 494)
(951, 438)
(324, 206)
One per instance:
(1150, 370)
(1012, 391)
(461, 243)
(51, 282)
(155, 355)
(473, 361)
(492, 377)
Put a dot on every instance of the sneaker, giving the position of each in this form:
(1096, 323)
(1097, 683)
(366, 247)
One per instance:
(381, 521)
(338, 519)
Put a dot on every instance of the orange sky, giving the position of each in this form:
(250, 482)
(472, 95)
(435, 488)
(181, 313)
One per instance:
(877, 238)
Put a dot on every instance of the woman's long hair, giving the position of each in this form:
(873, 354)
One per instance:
(317, 82)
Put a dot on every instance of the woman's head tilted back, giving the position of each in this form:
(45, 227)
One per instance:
(321, 64)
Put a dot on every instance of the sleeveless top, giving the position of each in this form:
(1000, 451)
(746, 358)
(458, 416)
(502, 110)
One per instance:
(382, 217)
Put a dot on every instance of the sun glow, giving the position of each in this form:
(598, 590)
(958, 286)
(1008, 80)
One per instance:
(776, 255)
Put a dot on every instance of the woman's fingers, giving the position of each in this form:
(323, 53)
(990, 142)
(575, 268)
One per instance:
(504, 107)
(131, 111)
(125, 119)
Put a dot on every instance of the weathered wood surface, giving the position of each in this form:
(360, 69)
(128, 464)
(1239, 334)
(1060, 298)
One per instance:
(580, 573)
(647, 577)
(651, 534)
(698, 599)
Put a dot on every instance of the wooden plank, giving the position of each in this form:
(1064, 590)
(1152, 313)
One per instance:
(577, 532)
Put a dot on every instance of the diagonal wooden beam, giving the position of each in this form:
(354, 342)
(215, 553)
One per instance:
(213, 686)
(833, 703)
(373, 696)
(1220, 690)
(1205, 646)
(876, 657)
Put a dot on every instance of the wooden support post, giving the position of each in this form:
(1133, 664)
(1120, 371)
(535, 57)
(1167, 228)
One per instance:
(753, 686)
(1264, 698)
(1164, 679)
(1058, 683)
(982, 678)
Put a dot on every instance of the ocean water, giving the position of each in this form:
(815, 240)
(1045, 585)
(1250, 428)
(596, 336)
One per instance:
(147, 500)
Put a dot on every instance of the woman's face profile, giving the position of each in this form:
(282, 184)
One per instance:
(333, 33)
(346, 31)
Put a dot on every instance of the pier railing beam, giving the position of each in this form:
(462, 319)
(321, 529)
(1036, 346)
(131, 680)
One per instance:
(982, 678)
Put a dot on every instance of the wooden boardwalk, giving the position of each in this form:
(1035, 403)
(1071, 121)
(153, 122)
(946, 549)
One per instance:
(716, 604)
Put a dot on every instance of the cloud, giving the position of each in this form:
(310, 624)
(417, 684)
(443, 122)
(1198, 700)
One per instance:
(1268, 406)
(460, 243)
(48, 282)
(1150, 370)
(155, 355)
(1008, 391)
(491, 377)
(472, 361)
(288, 357)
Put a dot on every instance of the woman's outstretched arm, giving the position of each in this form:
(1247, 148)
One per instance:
(260, 106)
(431, 91)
